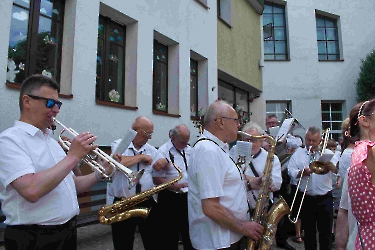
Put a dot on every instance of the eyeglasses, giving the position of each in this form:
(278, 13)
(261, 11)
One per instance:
(149, 135)
(228, 118)
(50, 103)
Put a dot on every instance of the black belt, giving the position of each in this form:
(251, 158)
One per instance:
(70, 224)
(329, 193)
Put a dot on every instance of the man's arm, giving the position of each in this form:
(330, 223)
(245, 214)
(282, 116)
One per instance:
(342, 229)
(215, 211)
(276, 174)
(85, 183)
(34, 186)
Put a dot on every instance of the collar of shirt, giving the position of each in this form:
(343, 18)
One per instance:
(142, 149)
(31, 129)
(171, 146)
(223, 145)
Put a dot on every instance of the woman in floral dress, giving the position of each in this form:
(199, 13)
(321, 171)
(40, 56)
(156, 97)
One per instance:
(361, 175)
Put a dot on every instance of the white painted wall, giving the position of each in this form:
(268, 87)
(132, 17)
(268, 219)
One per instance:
(306, 81)
(186, 22)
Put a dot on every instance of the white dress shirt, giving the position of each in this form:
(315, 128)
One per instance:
(318, 184)
(344, 162)
(171, 173)
(212, 174)
(24, 149)
(120, 183)
(347, 205)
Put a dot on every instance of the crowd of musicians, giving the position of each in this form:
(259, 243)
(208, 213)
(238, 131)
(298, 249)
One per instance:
(211, 205)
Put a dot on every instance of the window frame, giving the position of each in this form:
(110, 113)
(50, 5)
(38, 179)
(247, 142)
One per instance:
(338, 132)
(32, 39)
(335, 20)
(154, 94)
(288, 107)
(105, 63)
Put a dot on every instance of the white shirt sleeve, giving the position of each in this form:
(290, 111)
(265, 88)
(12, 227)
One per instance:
(276, 173)
(293, 165)
(293, 142)
(344, 204)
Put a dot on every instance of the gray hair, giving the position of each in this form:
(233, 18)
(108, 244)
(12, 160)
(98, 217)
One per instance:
(252, 126)
(176, 131)
(313, 130)
(214, 110)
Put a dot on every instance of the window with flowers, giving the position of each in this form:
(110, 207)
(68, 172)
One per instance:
(35, 39)
(110, 66)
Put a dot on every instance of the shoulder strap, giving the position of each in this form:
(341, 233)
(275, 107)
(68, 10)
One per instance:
(253, 170)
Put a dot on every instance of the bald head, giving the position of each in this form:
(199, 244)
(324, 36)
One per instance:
(144, 128)
(217, 108)
(141, 121)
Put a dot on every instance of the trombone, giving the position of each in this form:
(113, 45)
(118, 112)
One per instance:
(91, 159)
(317, 167)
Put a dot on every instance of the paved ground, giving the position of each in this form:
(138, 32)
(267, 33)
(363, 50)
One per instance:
(98, 237)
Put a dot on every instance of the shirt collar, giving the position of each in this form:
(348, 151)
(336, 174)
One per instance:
(223, 145)
(142, 149)
(31, 129)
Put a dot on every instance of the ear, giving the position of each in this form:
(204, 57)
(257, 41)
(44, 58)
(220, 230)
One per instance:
(26, 101)
(364, 121)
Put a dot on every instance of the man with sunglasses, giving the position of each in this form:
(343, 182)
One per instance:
(218, 208)
(38, 190)
(139, 155)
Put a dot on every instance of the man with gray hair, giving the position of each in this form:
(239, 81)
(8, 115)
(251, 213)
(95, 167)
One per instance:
(172, 207)
(218, 209)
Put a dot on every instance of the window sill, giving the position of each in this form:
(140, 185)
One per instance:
(156, 112)
(277, 60)
(18, 86)
(203, 4)
(196, 118)
(116, 105)
(340, 60)
(225, 22)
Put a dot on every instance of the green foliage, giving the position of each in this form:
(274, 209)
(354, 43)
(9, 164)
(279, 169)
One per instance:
(366, 80)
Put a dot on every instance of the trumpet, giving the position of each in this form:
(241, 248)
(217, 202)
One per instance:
(92, 159)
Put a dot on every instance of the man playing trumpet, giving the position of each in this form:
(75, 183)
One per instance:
(38, 190)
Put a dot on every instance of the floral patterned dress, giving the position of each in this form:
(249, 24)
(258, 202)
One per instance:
(362, 194)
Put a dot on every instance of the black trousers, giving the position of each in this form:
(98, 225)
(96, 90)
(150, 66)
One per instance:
(123, 231)
(319, 216)
(36, 237)
(172, 219)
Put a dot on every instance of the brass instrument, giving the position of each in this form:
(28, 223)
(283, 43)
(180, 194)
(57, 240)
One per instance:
(124, 209)
(317, 167)
(91, 159)
(268, 219)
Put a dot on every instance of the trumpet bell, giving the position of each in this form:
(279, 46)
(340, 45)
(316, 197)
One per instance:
(318, 167)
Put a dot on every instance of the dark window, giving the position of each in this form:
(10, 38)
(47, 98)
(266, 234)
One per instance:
(274, 32)
(328, 39)
(160, 81)
(110, 66)
(193, 88)
(35, 39)
(332, 118)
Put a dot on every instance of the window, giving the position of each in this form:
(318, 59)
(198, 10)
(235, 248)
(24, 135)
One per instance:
(160, 85)
(332, 118)
(274, 32)
(328, 39)
(223, 10)
(110, 66)
(238, 98)
(35, 39)
(277, 108)
(193, 88)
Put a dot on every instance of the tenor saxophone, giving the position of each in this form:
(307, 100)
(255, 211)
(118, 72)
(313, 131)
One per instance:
(125, 208)
(268, 219)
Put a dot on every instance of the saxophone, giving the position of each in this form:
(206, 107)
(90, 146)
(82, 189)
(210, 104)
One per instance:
(125, 208)
(268, 219)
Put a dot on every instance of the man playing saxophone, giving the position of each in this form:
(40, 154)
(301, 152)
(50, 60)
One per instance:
(38, 190)
(139, 155)
(218, 208)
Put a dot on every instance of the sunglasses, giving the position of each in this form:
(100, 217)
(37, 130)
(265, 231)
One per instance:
(50, 103)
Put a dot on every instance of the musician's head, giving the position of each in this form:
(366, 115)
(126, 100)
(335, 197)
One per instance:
(221, 120)
(362, 121)
(39, 101)
(271, 121)
(331, 145)
(145, 130)
(313, 138)
(254, 129)
(180, 136)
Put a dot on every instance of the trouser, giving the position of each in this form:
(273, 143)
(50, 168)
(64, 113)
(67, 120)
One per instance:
(234, 246)
(282, 226)
(123, 231)
(319, 216)
(172, 220)
(39, 237)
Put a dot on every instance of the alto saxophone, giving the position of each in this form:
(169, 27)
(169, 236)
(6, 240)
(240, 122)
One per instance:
(125, 208)
(267, 218)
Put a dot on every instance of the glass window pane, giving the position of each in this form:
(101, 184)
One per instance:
(331, 34)
(279, 34)
(116, 34)
(333, 57)
(332, 47)
(268, 32)
(24, 3)
(46, 8)
(326, 125)
(225, 92)
(280, 47)
(281, 57)
(326, 117)
(161, 53)
(279, 20)
(325, 107)
(322, 57)
(242, 99)
(330, 23)
(99, 68)
(101, 26)
(270, 107)
(115, 73)
(322, 48)
(321, 33)
(267, 9)
(278, 9)
(193, 88)
(267, 19)
(336, 107)
(160, 86)
(268, 47)
(319, 22)
(269, 57)
(336, 125)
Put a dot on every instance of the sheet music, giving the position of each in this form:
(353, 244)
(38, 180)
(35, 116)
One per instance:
(274, 131)
(243, 148)
(284, 130)
(326, 156)
(125, 142)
